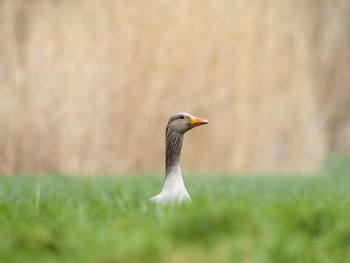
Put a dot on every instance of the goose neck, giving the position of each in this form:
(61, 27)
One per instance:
(173, 151)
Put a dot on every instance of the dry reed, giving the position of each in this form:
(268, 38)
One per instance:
(87, 85)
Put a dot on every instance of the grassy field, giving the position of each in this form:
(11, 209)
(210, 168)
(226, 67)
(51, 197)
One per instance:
(231, 219)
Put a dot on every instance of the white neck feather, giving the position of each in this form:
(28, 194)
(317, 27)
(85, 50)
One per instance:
(174, 189)
(174, 184)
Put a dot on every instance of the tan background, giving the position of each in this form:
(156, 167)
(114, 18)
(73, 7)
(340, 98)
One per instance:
(87, 86)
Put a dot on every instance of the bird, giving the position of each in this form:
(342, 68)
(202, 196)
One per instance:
(174, 190)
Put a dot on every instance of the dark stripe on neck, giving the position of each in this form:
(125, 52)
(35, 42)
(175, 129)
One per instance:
(173, 148)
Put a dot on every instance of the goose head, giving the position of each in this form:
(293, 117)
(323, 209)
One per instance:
(183, 122)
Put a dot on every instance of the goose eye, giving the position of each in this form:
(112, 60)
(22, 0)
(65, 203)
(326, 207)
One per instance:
(182, 117)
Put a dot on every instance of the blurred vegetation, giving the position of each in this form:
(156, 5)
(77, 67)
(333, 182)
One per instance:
(337, 166)
(231, 219)
(87, 86)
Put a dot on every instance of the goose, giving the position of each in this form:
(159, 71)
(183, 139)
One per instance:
(174, 189)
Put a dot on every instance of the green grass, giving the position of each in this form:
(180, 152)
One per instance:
(231, 219)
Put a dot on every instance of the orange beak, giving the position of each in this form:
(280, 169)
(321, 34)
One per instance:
(194, 121)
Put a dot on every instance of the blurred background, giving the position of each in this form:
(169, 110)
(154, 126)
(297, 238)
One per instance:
(87, 86)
